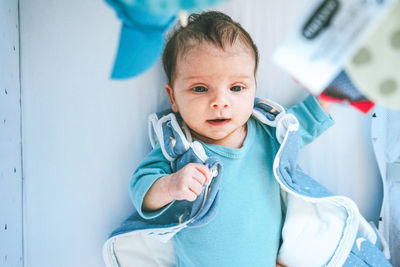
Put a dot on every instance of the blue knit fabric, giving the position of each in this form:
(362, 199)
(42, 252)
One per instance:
(364, 254)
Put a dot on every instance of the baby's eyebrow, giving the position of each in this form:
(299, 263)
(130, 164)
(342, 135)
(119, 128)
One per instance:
(235, 77)
(194, 77)
(242, 77)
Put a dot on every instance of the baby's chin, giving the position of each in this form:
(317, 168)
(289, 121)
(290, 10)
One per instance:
(232, 139)
(205, 138)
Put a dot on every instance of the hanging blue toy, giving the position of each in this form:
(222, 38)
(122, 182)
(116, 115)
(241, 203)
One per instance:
(144, 25)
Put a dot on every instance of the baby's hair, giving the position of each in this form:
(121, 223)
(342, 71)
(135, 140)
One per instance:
(213, 27)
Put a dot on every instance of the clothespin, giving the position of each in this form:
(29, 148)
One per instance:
(183, 18)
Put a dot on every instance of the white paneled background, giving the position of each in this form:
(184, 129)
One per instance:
(10, 138)
(83, 134)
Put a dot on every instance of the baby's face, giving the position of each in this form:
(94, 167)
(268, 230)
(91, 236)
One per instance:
(214, 92)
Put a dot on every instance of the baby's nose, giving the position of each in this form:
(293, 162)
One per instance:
(217, 105)
(219, 101)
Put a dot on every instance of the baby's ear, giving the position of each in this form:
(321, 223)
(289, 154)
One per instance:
(170, 93)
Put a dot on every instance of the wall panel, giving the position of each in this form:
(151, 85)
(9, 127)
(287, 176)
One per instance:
(10, 138)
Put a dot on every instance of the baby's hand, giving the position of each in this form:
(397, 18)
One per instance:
(326, 105)
(187, 183)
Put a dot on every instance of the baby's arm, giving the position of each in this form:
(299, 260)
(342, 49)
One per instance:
(313, 119)
(185, 184)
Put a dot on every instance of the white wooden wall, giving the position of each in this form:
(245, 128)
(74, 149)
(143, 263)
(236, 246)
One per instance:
(10, 138)
(83, 135)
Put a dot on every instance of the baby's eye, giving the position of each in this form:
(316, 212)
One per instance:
(199, 89)
(236, 88)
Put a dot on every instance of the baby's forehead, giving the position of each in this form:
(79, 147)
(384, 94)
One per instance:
(203, 47)
(212, 62)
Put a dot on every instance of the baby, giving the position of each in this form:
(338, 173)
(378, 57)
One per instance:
(211, 66)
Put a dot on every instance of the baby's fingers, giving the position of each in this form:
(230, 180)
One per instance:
(203, 173)
(184, 192)
(190, 196)
(196, 187)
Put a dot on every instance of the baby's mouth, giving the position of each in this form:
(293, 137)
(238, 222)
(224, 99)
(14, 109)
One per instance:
(218, 121)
